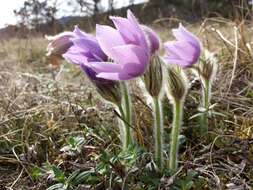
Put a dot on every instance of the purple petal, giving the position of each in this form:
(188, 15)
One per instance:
(132, 60)
(76, 59)
(108, 38)
(183, 50)
(109, 67)
(126, 29)
(89, 72)
(171, 50)
(114, 76)
(91, 46)
(182, 34)
(76, 55)
(130, 54)
(138, 30)
(152, 38)
(178, 62)
(81, 34)
(108, 76)
(134, 70)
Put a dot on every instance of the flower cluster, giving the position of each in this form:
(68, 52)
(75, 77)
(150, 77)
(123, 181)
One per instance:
(129, 50)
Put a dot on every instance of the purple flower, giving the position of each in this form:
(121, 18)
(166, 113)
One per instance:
(185, 51)
(126, 45)
(84, 51)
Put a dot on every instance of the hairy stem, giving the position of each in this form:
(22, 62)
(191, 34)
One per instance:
(158, 126)
(177, 118)
(206, 102)
(127, 113)
(122, 123)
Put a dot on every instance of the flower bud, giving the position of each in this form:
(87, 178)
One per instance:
(153, 77)
(59, 44)
(109, 90)
(177, 84)
(208, 66)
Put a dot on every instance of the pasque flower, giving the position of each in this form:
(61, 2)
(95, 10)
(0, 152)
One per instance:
(86, 51)
(183, 52)
(206, 71)
(126, 45)
(82, 49)
(177, 89)
(152, 77)
(153, 80)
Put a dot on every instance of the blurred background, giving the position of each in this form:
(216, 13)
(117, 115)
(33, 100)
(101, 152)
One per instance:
(18, 17)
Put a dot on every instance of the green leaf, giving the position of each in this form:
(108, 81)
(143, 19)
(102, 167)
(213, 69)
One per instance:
(55, 173)
(82, 177)
(36, 173)
(58, 186)
(58, 174)
(217, 113)
(196, 115)
(72, 177)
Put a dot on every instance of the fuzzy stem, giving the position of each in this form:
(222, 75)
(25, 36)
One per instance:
(122, 131)
(177, 118)
(128, 117)
(158, 133)
(206, 101)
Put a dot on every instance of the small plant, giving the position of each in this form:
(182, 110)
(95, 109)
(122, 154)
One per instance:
(70, 182)
(116, 55)
(206, 70)
(153, 80)
(184, 52)
(55, 174)
(74, 145)
(177, 89)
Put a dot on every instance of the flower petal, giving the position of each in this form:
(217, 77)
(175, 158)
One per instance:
(109, 67)
(178, 62)
(182, 34)
(183, 50)
(138, 30)
(134, 70)
(91, 74)
(126, 29)
(113, 76)
(79, 33)
(77, 56)
(108, 38)
(130, 54)
(88, 45)
(153, 39)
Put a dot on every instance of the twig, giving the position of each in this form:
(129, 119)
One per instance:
(235, 58)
